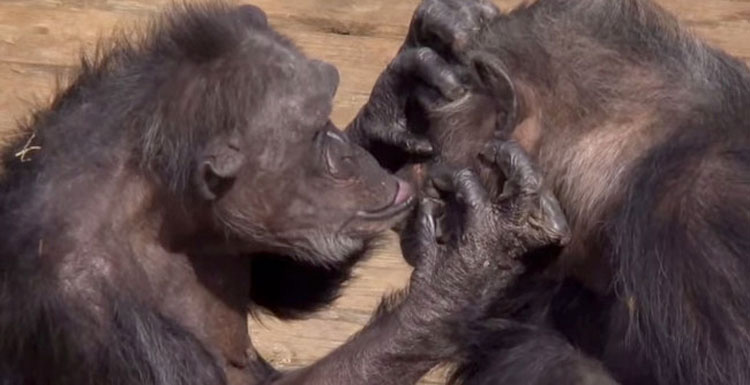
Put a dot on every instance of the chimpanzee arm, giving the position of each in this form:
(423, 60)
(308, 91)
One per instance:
(520, 355)
(452, 282)
(398, 347)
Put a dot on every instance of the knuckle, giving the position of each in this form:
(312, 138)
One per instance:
(487, 8)
(428, 227)
(464, 176)
(510, 147)
(426, 54)
(427, 9)
(465, 180)
(532, 182)
(448, 75)
(400, 125)
(490, 152)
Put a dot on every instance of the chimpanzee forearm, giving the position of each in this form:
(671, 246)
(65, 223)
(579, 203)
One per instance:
(451, 280)
(398, 346)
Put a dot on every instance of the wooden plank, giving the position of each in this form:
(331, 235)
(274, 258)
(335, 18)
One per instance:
(389, 18)
(56, 37)
(52, 36)
(22, 88)
(55, 34)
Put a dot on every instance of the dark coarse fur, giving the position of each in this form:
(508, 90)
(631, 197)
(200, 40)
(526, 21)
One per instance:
(116, 113)
(48, 337)
(642, 130)
(132, 244)
(193, 174)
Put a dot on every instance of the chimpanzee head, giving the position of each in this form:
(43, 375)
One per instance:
(242, 127)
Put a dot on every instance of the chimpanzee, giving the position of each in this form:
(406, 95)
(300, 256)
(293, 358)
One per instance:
(193, 173)
(642, 131)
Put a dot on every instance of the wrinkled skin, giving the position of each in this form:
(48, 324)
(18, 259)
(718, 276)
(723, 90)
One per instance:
(186, 178)
(383, 126)
(422, 123)
(461, 230)
(457, 131)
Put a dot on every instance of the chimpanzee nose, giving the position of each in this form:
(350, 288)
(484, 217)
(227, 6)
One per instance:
(338, 154)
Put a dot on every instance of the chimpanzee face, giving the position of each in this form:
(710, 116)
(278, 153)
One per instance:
(298, 186)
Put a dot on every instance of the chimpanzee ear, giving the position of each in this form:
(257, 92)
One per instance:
(218, 168)
(494, 77)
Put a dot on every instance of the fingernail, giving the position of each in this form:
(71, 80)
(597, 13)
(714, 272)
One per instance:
(424, 147)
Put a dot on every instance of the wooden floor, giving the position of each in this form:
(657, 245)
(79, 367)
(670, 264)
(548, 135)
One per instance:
(41, 39)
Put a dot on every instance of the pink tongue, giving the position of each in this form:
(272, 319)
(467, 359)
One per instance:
(405, 191)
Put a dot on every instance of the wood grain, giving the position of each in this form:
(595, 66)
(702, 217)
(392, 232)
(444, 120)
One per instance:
(40, 40)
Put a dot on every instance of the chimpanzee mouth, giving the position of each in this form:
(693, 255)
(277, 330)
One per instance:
(403, 199)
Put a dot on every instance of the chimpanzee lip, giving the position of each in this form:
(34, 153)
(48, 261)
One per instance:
(402, 200)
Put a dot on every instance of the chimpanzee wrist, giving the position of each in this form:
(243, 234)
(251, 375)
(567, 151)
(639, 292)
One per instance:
(429, 326)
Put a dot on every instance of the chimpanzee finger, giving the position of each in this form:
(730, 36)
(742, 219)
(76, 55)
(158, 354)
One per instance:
(541, 207)
(464, 185)
(551, 219)
(426, 65)
(428, 98)
(367, 133)
(419, 241)
(481, 11)
(519, 170)
(439, 25)
(409, 142)
(487, 10)
(451, 24)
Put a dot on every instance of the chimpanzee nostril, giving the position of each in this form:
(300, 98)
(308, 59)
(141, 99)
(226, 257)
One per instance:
(338, 155)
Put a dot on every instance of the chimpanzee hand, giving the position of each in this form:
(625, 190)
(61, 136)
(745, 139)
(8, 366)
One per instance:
(444, 26)
(448, 26)
(482, 240)
(383, 119)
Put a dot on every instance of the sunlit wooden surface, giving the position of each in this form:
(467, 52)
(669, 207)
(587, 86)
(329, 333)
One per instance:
(41, 39)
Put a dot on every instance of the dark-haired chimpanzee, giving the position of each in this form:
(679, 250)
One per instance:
(188, 174)
(643, 132)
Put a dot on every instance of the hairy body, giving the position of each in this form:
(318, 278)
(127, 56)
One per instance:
(190, 175)
(641, 130)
